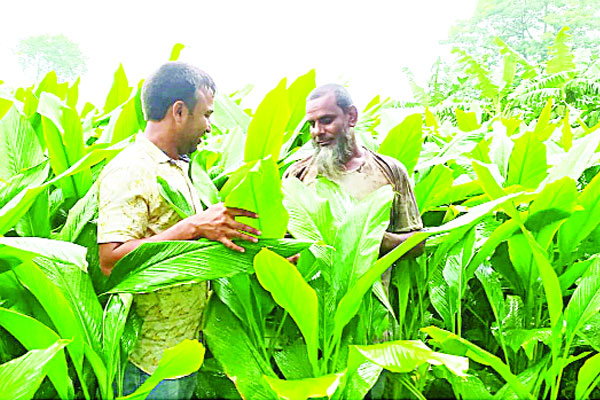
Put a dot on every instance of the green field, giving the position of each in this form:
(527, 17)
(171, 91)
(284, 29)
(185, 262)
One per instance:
(504, 303)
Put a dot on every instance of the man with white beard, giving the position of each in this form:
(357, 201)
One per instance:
(357, 170)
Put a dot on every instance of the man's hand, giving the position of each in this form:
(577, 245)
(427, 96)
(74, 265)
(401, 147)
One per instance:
(215, 223)
(218, 223)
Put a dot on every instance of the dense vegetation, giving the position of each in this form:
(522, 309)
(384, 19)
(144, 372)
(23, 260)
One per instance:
(503, 303)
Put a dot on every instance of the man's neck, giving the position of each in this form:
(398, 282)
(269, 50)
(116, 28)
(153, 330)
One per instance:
(357, 159)
(160, 134)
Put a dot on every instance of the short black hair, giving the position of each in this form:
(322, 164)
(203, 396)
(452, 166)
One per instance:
(172, 82)
(342, 97)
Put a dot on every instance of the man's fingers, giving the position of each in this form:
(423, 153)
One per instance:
(243, 236)
(240, 212)
(238, 226)
(229, 244)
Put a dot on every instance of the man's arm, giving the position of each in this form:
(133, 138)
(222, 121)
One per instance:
(216, 223)
(392, 240)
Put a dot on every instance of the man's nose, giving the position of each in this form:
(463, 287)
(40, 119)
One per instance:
(208, 127)
(317, 129)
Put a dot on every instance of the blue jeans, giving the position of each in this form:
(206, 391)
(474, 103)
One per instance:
(181, 388)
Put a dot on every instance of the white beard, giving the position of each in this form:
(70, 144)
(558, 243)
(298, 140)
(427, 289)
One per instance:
(331, 160)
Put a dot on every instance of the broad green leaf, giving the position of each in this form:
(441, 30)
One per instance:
(34, 335)
(527, 339)
(124, 122)
(360, 376)
(163, 264)
(30, 177)
(119, 92)
(302, 389)
(566, 140)
(63, 289)
(19, 145)
(260, 192)
(460, 144)
(492, 287)
(506, 50)
(543, 128)
(298, 92)
(205, 187)
(359, 237)
(500, 234)
(582, 222)
(14, 210)
(527, 163)
(466, 121)
(430, 190)
(231, 346)
(174, 198)
(587, 377)
(63, 134)
(310, 215)
(5, 106)
(176, 51)
(350, 303)
(290, 291)
(80, 214)
(73, 94)
(36, 222)
(20, 378)
(292, 360)
(458, 345)
(245, 297)
(581, 156)
(266, 130)
(560, 57)
(50, 84)
(113, 325)
(585, 301)
(229, 115)
(500, 148)
(549, 278)
(181, 360)
(406, 355)
(232, 150)
(404, 142)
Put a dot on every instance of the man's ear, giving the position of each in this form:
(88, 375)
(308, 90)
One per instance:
(178, 110)
(353, 116)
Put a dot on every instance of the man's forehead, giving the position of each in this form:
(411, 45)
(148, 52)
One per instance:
(323, 104)
(205, 98)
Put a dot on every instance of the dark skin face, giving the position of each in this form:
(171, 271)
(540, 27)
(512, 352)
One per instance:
(194, 124)
(328, 121)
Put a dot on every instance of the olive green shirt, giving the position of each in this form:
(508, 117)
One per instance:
(131, 207)
(376, 171)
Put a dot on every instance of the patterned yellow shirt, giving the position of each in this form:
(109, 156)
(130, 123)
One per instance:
(131, 207)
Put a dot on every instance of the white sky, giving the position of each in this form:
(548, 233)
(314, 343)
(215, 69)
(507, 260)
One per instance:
(362, 43)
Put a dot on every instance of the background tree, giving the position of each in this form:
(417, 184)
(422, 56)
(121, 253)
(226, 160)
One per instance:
(528, 26)
(44, 53)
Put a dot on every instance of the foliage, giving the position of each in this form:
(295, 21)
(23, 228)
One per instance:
(44, 53)
(527, 27)
(503, 303)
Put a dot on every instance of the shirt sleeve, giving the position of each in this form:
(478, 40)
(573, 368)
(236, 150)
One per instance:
(405, 212)
(123, 204)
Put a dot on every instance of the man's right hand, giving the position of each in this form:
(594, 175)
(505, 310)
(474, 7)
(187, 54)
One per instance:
(215, 223)
(218, 223)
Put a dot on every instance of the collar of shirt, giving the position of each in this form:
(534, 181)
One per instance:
(158, 155)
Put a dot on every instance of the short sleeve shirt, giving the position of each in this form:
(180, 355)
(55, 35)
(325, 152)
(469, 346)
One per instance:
(131, 207)
(375, 172)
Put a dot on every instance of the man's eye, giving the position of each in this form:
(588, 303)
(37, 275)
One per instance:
(311, 123)
(326, 121)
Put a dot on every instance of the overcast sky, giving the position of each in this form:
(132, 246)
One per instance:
(362, 43)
